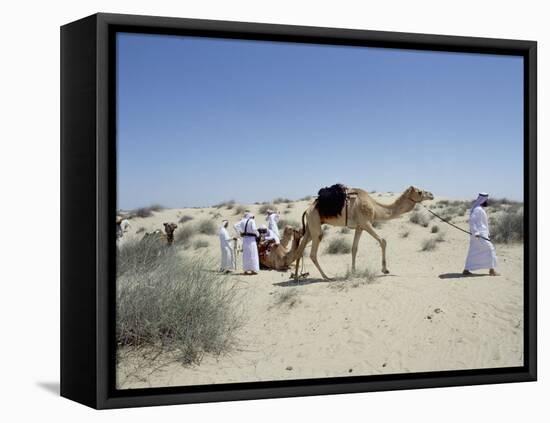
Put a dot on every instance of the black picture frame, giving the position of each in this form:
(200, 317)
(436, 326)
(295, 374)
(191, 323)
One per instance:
(88, 208)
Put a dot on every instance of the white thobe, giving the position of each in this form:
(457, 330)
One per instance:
(272, 236)
(226, 250)
(481, 254)
(251, 261)
(272, 220)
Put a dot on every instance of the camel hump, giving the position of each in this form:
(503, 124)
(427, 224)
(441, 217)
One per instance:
(331, 200)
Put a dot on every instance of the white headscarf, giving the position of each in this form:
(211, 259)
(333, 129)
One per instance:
(248, 215)
(481, 198)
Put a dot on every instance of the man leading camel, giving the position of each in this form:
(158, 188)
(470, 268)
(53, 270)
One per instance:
(481, 253)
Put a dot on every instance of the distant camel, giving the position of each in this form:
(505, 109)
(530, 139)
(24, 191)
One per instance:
(160, 236)
(355, 209)
(280, 257)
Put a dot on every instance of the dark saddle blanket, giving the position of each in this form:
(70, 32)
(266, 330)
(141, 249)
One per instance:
(331, 200)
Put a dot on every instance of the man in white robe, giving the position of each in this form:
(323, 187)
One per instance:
(481, 254)
(246, 228)
(228, 255)
(272, 219)
(269, 235)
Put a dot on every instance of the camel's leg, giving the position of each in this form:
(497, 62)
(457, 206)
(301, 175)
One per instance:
(300, 251)
(368, 227)
(358, 232)
(315, 241)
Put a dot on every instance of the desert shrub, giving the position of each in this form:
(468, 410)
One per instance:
(287, 297)
(306, 198)
(227, 204)
(339, 246)
(404, 233)
(183, 235)
(280, 200)
(185, 218)
(344, 230)
(429, 244)
(156, 207)
(419, 218)
(143, 212)
(290, 205)
(200, 243)
(288, 222)
(435, 229)
(265, 207)
(167, 302)
(239, 210)
(206, 227)
(365, 275)
(508, 227)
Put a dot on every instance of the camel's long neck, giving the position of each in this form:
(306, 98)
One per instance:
(392, 211)
(293, 253)
(285, 239)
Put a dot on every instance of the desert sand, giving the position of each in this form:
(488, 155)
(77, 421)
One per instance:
(423, 316)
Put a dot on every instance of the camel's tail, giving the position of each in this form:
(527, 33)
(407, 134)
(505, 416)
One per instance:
(304, 223)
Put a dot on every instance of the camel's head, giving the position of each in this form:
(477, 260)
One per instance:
(169, 228)
(288, 231)
(417, 195)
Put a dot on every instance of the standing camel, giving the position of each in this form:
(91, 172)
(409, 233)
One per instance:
(354, 208)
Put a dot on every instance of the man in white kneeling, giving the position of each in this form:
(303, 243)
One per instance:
(481, 254)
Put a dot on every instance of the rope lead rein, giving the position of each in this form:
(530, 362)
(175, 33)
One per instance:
(449, 223)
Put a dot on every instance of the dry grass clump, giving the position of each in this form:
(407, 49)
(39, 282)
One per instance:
(338, 246)
(227, 204)
(366, 275)
(429, 244)
(185, 218)
(419, 218)
(404, 233)
(206, 227)
(200, 243)
(166, 302)
(435, 229)
(288, 222)
(288, 297)
(280, 200)
(508, 227)
(143, 212)
(265, 207)
(183, 235)
(239, 210)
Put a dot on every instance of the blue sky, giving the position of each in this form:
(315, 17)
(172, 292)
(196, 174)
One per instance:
(204, 120)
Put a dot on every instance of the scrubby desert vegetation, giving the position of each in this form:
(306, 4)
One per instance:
(171, 303)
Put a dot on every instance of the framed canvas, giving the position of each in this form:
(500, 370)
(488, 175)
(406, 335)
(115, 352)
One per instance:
(257, 211)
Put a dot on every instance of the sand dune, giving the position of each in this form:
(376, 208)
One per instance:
(423, 316)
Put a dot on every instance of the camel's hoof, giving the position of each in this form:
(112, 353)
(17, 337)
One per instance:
(385, 271)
